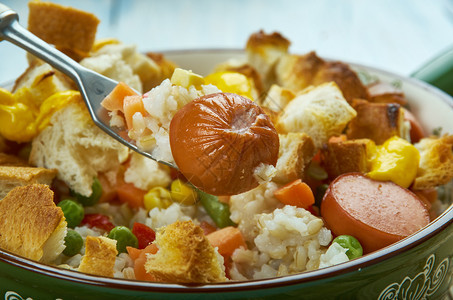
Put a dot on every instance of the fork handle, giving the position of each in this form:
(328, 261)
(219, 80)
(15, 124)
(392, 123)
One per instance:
(12, 31)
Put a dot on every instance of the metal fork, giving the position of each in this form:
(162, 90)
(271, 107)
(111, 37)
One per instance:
(93, 87)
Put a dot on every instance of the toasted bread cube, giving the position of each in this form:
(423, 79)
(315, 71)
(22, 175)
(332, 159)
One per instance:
(344, 77)
(185, 256)
(436, 162)
(13, 176)
(77, 148)
(341, 157)
(62, 26)
(320, 112)
(376, 121)
(31, 225)
(166, 66)
(296, 72)
(295, 153)
(264, 51)
(277, 98)
(100, 256)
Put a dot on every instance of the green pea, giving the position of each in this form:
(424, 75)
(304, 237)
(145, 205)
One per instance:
(351, 243)
(124, 237)
(91, 200)
(218, 211)
(73, 212)
(73, 242)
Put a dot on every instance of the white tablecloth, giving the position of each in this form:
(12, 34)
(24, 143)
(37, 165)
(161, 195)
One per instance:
(398, 36)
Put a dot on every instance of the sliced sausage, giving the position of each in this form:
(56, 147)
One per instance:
(376, 213)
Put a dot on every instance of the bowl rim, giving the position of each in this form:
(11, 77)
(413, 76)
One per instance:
(434, 227)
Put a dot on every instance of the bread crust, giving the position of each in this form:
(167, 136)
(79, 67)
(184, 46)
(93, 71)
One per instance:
(341, 157)
(28, 218)
(100, 256)
(376, 121)
(62, 26)
(320, 112)
(436, 162)
(185, 256)
(295, 153)
(296, 72)
(14, 176)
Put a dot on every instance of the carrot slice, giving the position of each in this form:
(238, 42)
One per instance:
(114, 100)
(140, 257)
(296, 193)
(134, 253)
(132, 105)
(227, 240)
(128, 193)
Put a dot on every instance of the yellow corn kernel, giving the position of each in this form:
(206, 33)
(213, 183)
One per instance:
(157, 197)
(231, 82)
(183, 193)
(396, 160)
(186, 78)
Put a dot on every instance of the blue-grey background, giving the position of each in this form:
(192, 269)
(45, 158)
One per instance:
(396, 35)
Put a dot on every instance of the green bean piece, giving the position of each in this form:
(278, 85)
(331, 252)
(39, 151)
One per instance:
(124, 237)
(73, 212)
(73, 242)
(91, 200)
(218, 211)
(351, 243)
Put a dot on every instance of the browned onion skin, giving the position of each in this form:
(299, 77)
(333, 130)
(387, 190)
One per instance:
(218, 140)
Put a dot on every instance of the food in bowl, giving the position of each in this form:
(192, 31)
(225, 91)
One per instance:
(330, 127)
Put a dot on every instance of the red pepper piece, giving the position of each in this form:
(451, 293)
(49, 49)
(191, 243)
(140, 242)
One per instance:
(144, 234)
(98, 220)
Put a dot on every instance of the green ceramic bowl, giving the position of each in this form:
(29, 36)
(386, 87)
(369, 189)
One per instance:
(418, 267)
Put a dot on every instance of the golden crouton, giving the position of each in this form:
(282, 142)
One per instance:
(295, 153)
(341, 157)
(264, 51)
(436, 162)
(13, 176)
(296, 72)
(100, 256)
(376, 121)
(31, 225)
(185, 256)
(62, 26)
(77, 148)
(344, 77)
(320, 112)
(277, 98)
(383, 92)
(166, 66)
